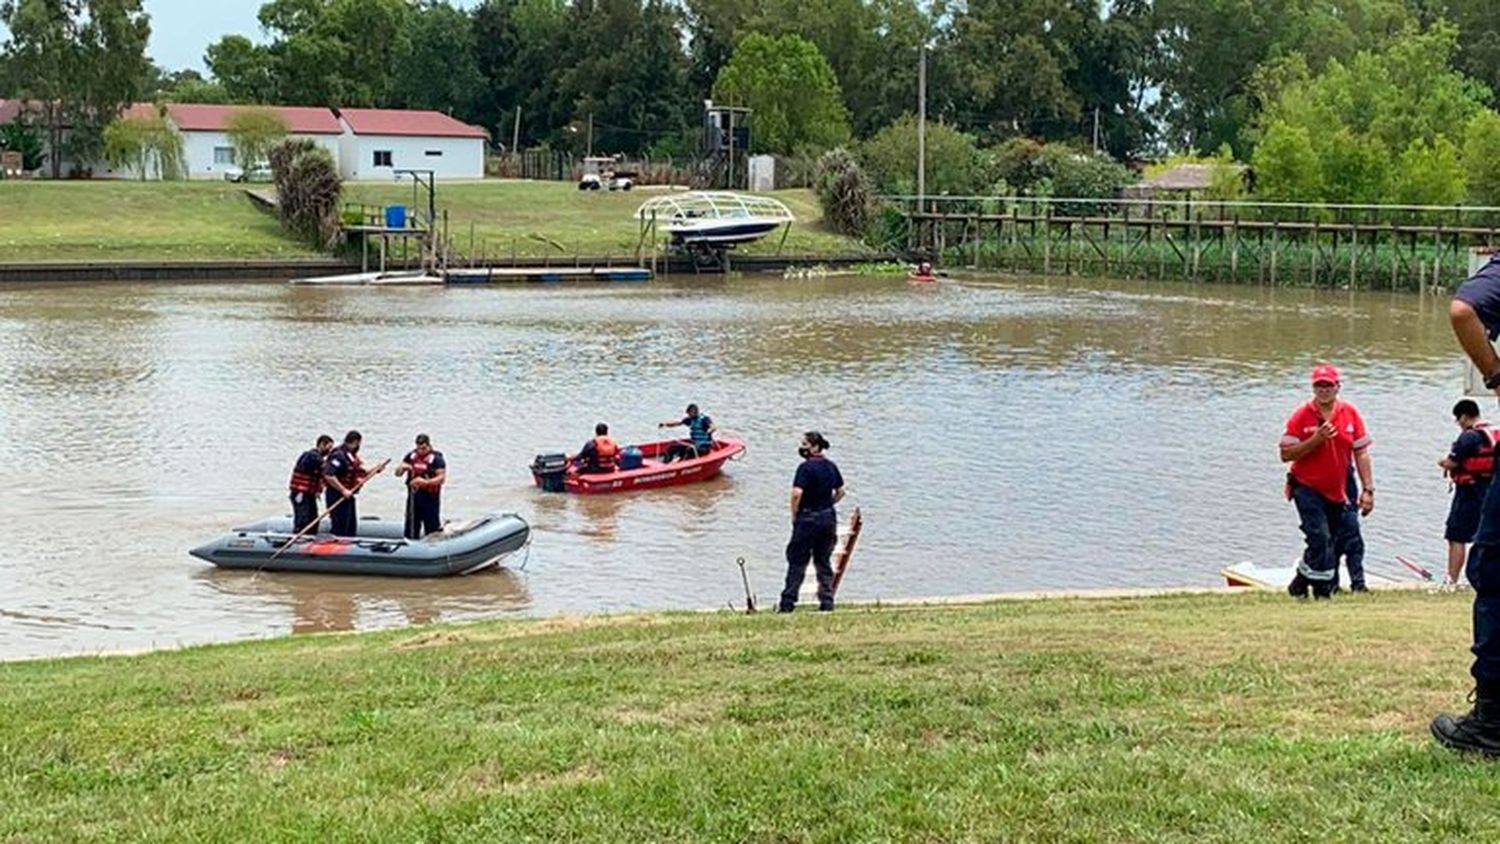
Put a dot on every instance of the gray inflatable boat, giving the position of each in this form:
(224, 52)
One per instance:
(380, 548)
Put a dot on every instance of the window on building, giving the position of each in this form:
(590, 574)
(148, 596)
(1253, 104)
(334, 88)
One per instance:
(383, 158)
(223, 155)
(434, 153)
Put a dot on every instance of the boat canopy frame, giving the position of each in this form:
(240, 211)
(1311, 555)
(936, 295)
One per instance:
(693, 206)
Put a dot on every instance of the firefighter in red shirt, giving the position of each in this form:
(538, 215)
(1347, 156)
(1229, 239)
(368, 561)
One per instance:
(1323, 438)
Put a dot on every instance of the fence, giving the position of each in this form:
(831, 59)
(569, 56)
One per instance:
(1320, 245)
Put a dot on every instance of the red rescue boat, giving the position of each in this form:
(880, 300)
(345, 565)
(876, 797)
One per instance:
(552, 473)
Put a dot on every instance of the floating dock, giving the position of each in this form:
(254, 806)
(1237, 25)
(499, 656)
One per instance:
(514, 275)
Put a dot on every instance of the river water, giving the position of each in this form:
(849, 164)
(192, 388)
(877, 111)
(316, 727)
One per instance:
(1000, 435)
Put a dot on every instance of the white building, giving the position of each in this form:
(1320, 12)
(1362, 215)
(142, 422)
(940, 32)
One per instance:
(365, 143)
(377, 142)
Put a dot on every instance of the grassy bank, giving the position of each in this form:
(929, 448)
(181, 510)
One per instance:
(184, 221)
(1202, 718)
(118, 221)
(536, 219)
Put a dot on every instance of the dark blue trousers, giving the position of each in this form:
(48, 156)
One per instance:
(1483, 572)
(345, 518)
(1349, 544)
(304, 509)
(1321, 520)
(423, 514)
(814, 534)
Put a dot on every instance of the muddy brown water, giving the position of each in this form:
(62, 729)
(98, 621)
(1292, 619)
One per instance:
(1000, 434)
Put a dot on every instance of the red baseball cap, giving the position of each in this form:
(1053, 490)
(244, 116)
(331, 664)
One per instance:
(1325, 372)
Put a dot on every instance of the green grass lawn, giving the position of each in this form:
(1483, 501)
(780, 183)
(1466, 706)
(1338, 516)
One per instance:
(115, 221)
(515, 217)
(1191, 718)
(183, 221)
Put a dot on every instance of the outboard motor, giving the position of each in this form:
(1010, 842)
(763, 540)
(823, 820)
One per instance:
(550, 472)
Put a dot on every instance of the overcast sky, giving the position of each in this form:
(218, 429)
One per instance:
(182, 29)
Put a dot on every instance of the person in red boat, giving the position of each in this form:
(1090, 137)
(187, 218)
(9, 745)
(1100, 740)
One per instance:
(600, 454)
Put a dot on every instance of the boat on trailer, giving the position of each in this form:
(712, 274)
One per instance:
(380, 548)
(714, 220)
(553, 473)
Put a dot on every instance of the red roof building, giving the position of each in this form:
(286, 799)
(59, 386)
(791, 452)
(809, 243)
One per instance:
(409, 124)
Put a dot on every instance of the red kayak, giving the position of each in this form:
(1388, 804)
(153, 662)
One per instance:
(651, 474)
(921, 279)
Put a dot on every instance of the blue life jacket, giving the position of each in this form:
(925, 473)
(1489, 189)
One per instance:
(698, 428)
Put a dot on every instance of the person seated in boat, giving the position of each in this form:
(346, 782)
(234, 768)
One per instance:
(924, 269)
(342, 473)
(425, 471)
(700, 435)
(307, 482)
(599, 455)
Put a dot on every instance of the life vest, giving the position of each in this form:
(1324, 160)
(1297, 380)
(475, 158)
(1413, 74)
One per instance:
(421, 467)
(1479, 466)
(605, 452)
(307, 474)
(698, 430)
(354, 469)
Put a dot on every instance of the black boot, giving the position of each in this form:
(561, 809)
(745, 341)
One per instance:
(1478, 731)
(1298, 588)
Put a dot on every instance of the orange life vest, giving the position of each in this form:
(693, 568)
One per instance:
(1479, 466)
(307, 474)
(606, 451)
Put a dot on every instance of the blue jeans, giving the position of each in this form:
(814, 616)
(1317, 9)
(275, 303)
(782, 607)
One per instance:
(1321, 520)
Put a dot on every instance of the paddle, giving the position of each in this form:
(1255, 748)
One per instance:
(1416, 568)
(380, 467)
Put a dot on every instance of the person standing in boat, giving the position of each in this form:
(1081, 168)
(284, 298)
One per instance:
(1322, 440)
(342, 471)
(1470, 465)
(599, 455)
(425, 472)
(307, 482)
(701, 431)
(816, 489)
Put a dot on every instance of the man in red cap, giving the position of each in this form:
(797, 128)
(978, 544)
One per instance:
(1323, 440)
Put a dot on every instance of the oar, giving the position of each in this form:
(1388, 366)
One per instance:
(1415, 568)
(380, 467)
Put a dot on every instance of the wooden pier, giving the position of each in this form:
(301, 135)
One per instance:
(1342, 246)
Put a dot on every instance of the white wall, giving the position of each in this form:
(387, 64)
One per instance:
(199, 149)
(461, 158)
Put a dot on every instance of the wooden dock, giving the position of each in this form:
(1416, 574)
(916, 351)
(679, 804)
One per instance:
(1333, 246)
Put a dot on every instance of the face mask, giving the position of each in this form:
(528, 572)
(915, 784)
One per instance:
(804, 451)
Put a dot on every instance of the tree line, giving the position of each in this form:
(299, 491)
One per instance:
(1245, 80)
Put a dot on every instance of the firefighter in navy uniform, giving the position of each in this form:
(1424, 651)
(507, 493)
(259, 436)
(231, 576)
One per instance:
(307, 482)
(600, 454)
(342, 472)
(817, 487)
(1470, 464)
(425, 472)
(1475, 316)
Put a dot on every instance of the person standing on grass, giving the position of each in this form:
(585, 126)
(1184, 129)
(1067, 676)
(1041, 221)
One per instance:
(1470, 465)
(817, 487)
(1475, 317)
(1322, 440)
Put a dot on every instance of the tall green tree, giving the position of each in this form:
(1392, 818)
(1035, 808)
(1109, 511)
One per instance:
(148, 144)
(629, 72)
(1015, 59)
(245, 70)
(792, 91)
(82, 61)
(517, 45)
(438, 68)
(254, 132)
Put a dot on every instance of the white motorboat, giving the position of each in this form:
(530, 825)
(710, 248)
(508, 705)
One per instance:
(715, 219)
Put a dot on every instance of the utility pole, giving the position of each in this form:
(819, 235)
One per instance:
(921, 121)
(1096, 130)
(731, 147)
(590, 152)
(515, 137)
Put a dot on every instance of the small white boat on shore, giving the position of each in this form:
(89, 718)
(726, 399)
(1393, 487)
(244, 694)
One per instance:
(715, 219)
(1278, 578)
(389, 277)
